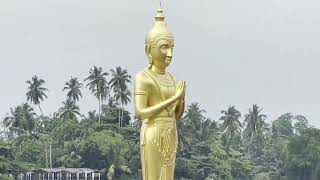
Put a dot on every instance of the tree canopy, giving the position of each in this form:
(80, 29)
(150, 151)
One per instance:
(233, 147)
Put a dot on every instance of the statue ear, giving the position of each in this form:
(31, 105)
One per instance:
(148, 51)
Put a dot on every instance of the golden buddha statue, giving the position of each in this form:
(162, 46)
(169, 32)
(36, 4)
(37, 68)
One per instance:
(159, 103)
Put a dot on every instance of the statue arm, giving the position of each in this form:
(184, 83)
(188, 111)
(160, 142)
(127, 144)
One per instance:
(142, 89)
(180, 109)
(144, 112)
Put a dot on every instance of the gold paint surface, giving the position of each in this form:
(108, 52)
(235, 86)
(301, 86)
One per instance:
(159, 103)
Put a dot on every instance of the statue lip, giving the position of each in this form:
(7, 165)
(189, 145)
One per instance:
(168, 60)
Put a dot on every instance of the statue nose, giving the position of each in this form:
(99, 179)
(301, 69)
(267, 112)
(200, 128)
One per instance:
(169, 53)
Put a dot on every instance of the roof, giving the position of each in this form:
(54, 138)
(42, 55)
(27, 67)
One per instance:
(69, 170)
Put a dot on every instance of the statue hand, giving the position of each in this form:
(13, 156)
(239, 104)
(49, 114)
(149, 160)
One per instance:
(181, 89)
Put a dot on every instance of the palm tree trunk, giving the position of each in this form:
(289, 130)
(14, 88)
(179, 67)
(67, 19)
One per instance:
(119, 117)
(252, 135)
(6, 132)
(50, 156)
(201, 128)
(46, 147)
(229, 143)
(40, 109)
(121, 114)
(99, 109)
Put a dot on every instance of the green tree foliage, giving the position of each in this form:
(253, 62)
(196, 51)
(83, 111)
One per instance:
(283, 125)
(32, 152)
(20, 118)
(22, 122)
(69, 110)
(91, 154)
(110, 115)
(262, 176)
(67, 130)
(286, 149)
(71, 160)
(304, 155)
(6, 156)
(202, 154)
(301, 124)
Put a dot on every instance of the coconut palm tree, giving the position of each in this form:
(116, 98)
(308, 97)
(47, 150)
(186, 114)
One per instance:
(14, 119)
(193, 120)
(91, 115)
(97, 83)
(208, 130)
(119, 83)
(74, 89)
(120, 78)
(253, 121)
(36, 91)
(195, 115)
(231, 126)
(28, 116)
(22, 117)
(117, 161)
(105, 92)
(189, 128)
(69, 110)
(184, 142)
(112, 103)
(22, 122)
(72, 160)
(122, 96)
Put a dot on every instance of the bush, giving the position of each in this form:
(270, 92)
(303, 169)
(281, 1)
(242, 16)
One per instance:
(6, 177)
(262, 176)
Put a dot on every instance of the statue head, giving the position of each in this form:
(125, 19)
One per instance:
(159, 43)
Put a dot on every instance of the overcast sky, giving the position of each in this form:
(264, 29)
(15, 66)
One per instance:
(230, 52)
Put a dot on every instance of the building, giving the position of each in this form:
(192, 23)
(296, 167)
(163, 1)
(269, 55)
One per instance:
(61, 174)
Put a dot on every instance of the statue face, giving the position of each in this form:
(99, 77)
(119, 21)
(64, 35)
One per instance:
(161, 52)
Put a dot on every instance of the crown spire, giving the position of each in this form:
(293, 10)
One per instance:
(159, 16)
(159, 28)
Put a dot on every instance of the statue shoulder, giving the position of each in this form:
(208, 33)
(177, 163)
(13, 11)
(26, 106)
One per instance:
(143, 81)
(142, 77)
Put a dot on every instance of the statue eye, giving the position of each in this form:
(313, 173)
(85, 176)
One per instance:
(164, 46)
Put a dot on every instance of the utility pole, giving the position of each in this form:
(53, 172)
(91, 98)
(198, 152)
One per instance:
(46, 147)
(50, 156)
